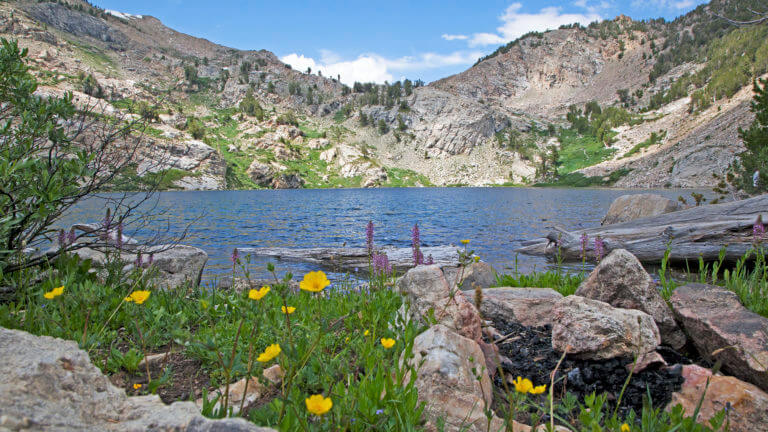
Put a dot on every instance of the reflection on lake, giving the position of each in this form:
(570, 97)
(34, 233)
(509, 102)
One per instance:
(496, 220)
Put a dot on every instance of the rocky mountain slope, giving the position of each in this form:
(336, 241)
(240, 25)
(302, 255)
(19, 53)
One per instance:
(225, 118)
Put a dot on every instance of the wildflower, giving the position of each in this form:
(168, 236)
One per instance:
(758, 230)
(235, 256)
(429, 260)
(418, 257)
(289, 310)
(387, 343)
(625, 427)
(381, 264)
(259, 293)
(523, 385)
(464, 242)
(107, 221)
(138, 297)
(136, 386)
(477, 258)
(314, 281)
(203, 304)
(150, 260)
(584, 244)
(366, 333)
(369, 237)
(539, 389)
(346, 339)
(318, 404)
(271, 352)
(599, 248)
(119, 238)
(71, 237)
(379, 411)
(139, 260)
(52, 294)
(62, 239)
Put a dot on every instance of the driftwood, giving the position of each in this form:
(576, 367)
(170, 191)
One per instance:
(349, 259)
(692, 233)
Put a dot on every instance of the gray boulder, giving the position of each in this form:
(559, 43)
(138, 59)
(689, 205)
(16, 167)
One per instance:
(621, 281)
(260, 173)
(50, 384)
(527, 306)
(594, 330)
(630, 207)
(477, 274)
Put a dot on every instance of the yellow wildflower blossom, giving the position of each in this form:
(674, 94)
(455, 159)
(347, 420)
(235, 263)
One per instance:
(271, 352)
(387, 343)
(259, 293)
(465, 242)
(523, 385)
(318, 404)
(314, 281)
(366, 333)
(288, 310)
(625, 428)
(138, 297)
(52, 294)
(136, 386)
(539, 389)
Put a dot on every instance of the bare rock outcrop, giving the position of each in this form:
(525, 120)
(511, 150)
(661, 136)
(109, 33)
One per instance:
(630, 207)
(591, 329)
(621, 281)
(721, 328)
(528, 306)
(50, 384)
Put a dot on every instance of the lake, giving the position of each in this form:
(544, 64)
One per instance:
(496, 220)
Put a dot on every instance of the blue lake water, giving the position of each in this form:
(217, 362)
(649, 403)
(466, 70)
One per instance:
(496, 220)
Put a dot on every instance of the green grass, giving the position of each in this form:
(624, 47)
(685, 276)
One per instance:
(580, 151)
(311, 133)
(560, 281)
(652, 140)
(399, 177)
(580, 180)
(94, 57)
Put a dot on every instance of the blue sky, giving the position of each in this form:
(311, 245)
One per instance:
(378, 41)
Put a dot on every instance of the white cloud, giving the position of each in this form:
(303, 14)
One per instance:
(515, 24)
(376, 68)
(665, 4)
(450, 37)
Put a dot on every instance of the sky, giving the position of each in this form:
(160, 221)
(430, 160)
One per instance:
(382, 41)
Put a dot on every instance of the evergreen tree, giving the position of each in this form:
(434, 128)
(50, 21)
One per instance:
(383, 129)
(755, 157)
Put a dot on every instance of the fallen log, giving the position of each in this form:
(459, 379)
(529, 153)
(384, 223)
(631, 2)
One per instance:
(692, 233)
(349, 259)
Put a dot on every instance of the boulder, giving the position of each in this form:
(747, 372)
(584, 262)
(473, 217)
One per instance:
(748, 404)
(478, 274)
(256, 389)
(528, 306)
(630, 207)
(446, 381)
(287, 181)
(621, 281)
(593, 330)
(260, 173)
(318, 143)
(428, 293)
(50, 384)
(721, 328)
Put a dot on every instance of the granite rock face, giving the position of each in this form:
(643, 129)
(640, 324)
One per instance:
(529, 306)
(630, 207)
(50, 384)
(721, 328)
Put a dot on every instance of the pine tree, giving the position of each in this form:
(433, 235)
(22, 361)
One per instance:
(755, 157)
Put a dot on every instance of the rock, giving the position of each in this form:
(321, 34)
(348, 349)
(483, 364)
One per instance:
(593, 330)
(630, 207)
(318, 143)
(529, 306)
(287, 181)
(428, 293)
(621, 281)
(645, 361)
(50, 384)
(260, 173)
(446, 382)
(287, 132)
(748, 404)
(715, 320)
(176, 265)
(478, 274)
(255, 390)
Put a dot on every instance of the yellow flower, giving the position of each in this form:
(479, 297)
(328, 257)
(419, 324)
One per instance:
(366, 333)
(465, 242)
(136, 386)
(523, 385)
(387, 343)
(52, 294)
(477, 258)
(259, 293)
(138, 297)
(346, 339)
(539, 389)
(314, 281)
(318, 405)
(271, 352)
(289, 310)
(203, 304)
(625, 428)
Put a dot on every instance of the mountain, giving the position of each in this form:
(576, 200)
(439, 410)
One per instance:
(619, 102)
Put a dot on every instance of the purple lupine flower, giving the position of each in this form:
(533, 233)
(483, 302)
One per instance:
(139, 260)
(599, 248)
(418, 257)
(584, 244)
(119, 238)
(150, 260)
(71, 237)
(381, 264)
(107, 221)
(379, 411)
(62, 239)
(235, 256)
(369, 237)
(429, 261)
(758, 230)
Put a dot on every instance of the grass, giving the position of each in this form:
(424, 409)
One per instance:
(577, 179)
(652, 140)
(580, 151)
(94, 57)
(563, 282)
(399, 177)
